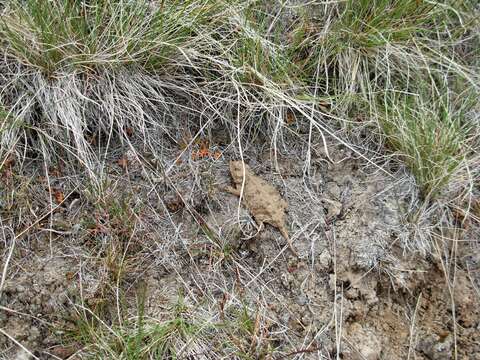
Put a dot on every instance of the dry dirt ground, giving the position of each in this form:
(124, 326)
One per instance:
(358, 290)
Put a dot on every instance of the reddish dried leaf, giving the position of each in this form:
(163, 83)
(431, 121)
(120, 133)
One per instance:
(7, 173)
(203, 153)
(92, 140)
(129, 131)
(6, 167)
(178, 161)
(290, 118)
(174, 204)
(64, 352)
(9, 161)
(123, 163)
(58, 195)
(292, 269)
(70, 275)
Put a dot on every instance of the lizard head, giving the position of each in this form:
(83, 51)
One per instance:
(236, 169)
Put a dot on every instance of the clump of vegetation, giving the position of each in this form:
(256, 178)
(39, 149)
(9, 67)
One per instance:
(258, 52)
(359, 48)
(433, 137)
(81, 75)
(135, 337)
(77, 72)
(64, 36)
(83, 67)
(78, 77)
(356, 52)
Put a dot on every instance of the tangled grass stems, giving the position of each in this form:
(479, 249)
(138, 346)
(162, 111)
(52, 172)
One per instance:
(366, 46)
(80, 74)
(74, 68)
(433, 137)
(65, 35)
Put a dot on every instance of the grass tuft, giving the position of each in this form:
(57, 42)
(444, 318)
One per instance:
(66, 35)
(137, 337)
(432, 136)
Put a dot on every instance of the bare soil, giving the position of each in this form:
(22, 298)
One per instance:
(357, 291)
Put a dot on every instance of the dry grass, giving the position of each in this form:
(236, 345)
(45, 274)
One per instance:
(113, 90)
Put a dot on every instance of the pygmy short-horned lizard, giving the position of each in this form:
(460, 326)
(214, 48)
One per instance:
(261, 199)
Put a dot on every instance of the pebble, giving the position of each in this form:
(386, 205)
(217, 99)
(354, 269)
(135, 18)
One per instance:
(325, 259)
(302, 300)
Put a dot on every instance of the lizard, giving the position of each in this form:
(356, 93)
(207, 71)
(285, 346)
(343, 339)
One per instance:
(261, 198)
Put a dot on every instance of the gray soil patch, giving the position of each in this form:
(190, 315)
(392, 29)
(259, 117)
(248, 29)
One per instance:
(354, 292)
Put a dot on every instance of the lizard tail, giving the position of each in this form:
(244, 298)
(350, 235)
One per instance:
(284, 232)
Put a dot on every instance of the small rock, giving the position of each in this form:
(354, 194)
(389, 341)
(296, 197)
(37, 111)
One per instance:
(333, 207)
(22, 355)
(64, 352)
(34, 333)
(367, 345)
(435, 348)
(302, 299)
(333, 190)
(324, 259)
(287, 280)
